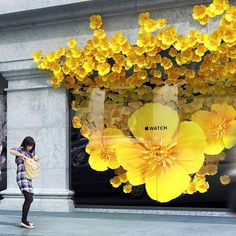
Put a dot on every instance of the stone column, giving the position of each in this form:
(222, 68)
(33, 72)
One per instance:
(35, 108)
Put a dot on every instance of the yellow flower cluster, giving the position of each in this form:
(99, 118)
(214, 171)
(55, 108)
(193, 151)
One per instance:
(203, 13)
(105, 62)
(199, 184)
(120, 179)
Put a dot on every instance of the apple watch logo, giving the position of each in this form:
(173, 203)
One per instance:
(159, 127)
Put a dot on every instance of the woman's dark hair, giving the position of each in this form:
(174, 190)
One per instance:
(28, 141)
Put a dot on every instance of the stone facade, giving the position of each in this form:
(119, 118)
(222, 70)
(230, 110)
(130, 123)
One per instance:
(33, 107)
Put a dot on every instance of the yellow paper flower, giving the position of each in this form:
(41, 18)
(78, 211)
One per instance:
(210, 169)
(101, 149)
(103, 69)
(119, 38)
(115, 182)
(161, 23)
(88, 65)
(230, 36)
(51, 57)
(150, 25)
(117, 67)
(127, 188)
(71, 43)
(61, 52)
(169, 36)
(157, 74)
(165, 152)
(144, 40)
(66, 69)
(201, 184)
(212, 42)
(56, 68)
(74, 105)
(201, 49)
(224, 179)
(166, 63)
(204, 20)
(55, 82)
(230, 14)
(143, 17)
(76, 53)
(210, 12)
(219, 126)
(95, 22)
(219, 6)
(76, 122)
(37, 56)
(191, 188)
(172, 52)
(100, 33)
(85, 131)
(199, 12)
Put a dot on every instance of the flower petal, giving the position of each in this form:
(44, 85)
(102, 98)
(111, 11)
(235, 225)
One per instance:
(113, 163)
(112, 136)
(214, 146)
(189, 155)
(224, 111)
(230, 137)
(135, 176)
(204, 119)
(97, 163)
(168, 184)
(130, 157)
(154, 122)
(130, 154)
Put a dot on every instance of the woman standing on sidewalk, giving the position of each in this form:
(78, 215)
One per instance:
(26, 150)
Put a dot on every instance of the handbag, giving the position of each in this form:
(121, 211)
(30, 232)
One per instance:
(31, 168)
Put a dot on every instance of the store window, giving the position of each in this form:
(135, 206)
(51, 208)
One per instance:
(164, 116)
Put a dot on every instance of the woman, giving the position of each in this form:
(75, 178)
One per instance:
(26, 150)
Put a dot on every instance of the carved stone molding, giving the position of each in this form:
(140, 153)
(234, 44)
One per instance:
(83, 9)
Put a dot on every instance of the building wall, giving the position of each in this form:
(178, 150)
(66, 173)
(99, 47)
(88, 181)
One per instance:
(14, 6)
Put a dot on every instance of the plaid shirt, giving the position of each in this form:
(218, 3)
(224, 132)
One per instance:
(22, 181)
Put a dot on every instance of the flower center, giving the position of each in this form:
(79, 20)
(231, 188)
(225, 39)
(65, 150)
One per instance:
(160, 156)
(218, 128)
(106, 152)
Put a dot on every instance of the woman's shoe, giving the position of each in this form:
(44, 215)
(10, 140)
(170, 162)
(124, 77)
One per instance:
(31, 223)
(27, 226)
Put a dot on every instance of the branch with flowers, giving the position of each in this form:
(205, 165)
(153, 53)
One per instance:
(144, 107)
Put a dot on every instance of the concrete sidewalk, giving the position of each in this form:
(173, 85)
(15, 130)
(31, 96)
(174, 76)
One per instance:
(110, 224)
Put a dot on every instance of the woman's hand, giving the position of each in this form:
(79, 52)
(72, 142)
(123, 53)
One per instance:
(24, 157)
(36, 158)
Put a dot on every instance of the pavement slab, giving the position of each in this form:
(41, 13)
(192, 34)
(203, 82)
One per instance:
(112, 224)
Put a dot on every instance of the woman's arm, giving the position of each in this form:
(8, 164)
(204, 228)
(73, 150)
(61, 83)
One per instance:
(16, 153)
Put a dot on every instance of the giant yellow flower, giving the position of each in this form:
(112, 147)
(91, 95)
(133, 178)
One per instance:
(164, 153)
(219, 126)
(101, 149)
